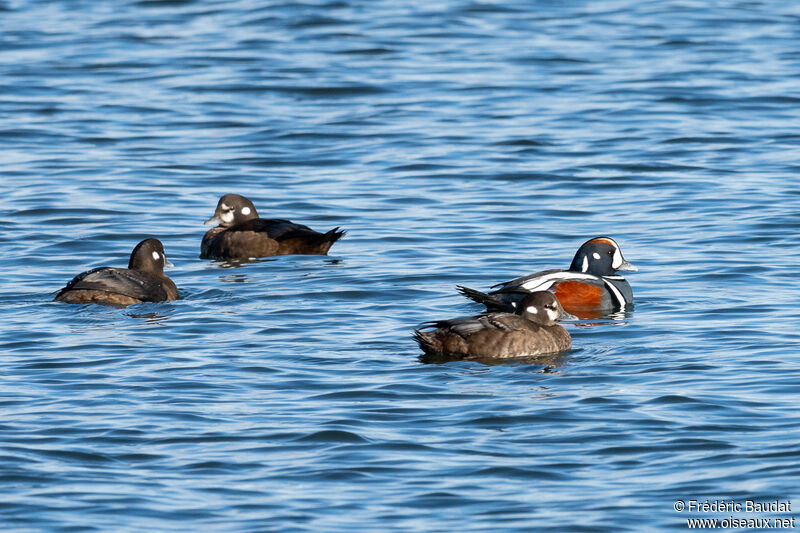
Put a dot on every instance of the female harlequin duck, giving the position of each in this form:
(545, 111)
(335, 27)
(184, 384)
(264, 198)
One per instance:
(240, 234)
(590, 288)
(143, 281)
(531, 331)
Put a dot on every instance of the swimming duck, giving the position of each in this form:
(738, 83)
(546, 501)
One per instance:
(531, 330)
(143, 281)
(589, 288)
(240, 234)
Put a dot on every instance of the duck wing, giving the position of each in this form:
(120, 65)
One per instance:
(276, 228)
(133, 283)
(466, 326)
(541, 281)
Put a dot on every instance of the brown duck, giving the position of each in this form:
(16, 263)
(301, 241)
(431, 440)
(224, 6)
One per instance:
(143, 281)
(532, 330)
(240, 234)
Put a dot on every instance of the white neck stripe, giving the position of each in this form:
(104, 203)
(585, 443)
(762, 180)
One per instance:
(618, 295)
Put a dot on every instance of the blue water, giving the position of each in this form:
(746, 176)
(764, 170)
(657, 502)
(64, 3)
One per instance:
(458, 143)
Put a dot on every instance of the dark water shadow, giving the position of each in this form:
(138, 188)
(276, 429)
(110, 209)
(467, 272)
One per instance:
(548, 362)
(237, 263)
(619, 318)
(152, 317)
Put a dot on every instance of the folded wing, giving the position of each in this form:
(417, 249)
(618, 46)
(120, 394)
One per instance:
(135, 284)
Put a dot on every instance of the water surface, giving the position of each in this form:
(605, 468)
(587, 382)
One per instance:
(458, 143)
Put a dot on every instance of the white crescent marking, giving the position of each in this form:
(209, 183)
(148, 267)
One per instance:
(615, 291)
(617, 262)
(543, 283)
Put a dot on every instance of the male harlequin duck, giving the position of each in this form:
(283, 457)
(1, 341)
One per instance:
(532, 330)
(240, 234)
(143, 281)
(590, 288)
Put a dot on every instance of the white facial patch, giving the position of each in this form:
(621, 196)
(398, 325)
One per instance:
(224, 206)
(245, 210)
(532, 310)
(596, 255)
(227, 216)
(156, 256)
(585, 265)
(617, 262)
(553, 314)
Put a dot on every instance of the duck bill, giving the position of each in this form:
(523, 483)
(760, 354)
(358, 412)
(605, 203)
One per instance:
(168, 263)
(627, 267)
(213, 220)
(566, 316)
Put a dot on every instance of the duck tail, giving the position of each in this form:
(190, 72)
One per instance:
(426, 342)
(333, 235)
(492, 302)
(472, 294)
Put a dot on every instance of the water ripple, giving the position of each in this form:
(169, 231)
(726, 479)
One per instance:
(457, 143)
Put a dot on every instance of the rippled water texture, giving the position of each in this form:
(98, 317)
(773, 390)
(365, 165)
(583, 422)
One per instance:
(458, 143)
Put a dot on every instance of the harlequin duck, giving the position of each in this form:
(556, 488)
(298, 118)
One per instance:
(532, 330)
(143, 281)
(590, 288)
(240, 234)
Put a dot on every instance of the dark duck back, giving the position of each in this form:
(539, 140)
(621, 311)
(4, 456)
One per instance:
(241, 234)
(590, 288)
(143, 281)
(531, 331)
